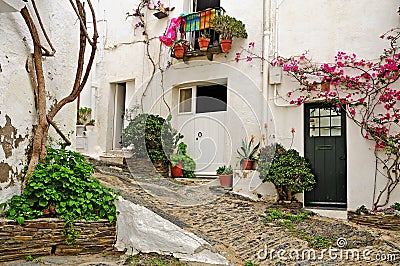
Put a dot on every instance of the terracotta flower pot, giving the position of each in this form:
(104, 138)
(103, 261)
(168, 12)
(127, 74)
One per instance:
(176, 170)
(225, 45)
(247, 164)
(203, 43)
(226, 180)
(179, 50)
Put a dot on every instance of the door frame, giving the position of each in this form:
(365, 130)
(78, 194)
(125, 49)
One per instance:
(343, 124)
(193, 114)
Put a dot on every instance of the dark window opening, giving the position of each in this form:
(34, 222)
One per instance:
(211, 98)
(201, 5)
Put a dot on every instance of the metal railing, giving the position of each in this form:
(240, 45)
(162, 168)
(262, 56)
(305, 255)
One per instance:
(197, 25)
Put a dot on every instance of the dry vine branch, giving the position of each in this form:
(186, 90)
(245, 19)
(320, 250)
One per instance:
(35, 70)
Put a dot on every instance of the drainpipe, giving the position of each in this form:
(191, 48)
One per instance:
(278, 3)
(265, 55)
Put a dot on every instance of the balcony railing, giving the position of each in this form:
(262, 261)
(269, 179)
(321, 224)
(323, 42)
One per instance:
(196, 25)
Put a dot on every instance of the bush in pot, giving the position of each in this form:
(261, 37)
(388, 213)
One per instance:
(228, 27)
(182, 164)
(151, 136)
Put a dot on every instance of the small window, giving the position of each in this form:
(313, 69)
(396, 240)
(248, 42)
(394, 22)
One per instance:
(325, 122)
(211, 99)
(185, 100)
(201, 5)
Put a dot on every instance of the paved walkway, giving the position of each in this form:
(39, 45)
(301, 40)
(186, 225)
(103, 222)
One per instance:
(232, 224)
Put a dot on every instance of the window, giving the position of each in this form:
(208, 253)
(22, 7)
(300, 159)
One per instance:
(211, 98)
(201, 5)
(325, 122)
(185, 100)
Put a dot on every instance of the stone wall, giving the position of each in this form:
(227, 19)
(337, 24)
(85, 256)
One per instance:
(388, 222)
(42, 237)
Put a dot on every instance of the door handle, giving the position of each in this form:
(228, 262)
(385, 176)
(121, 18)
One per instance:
(200, 134)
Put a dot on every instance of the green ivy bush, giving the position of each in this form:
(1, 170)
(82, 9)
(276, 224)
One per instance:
(61, 186)
(150, 136)
(287, 170)
(189, 165)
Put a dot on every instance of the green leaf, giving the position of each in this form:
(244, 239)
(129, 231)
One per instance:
(20, 220)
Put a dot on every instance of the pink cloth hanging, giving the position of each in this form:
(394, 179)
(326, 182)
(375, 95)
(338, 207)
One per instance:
(170, 36)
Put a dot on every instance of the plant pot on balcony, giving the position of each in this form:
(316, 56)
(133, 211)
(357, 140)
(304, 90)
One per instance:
(225, 45)
(203, 43)
(179, 50)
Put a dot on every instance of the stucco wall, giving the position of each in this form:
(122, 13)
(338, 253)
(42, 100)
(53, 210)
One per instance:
(17, 110)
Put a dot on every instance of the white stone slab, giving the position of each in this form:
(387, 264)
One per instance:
(141, 230)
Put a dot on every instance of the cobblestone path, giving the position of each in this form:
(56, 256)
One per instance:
(233, 225)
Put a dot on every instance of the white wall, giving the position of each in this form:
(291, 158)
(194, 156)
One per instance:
(17, 111)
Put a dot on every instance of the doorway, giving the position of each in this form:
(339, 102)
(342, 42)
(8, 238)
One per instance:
(202, 114)
(325, 148)
(116, 115)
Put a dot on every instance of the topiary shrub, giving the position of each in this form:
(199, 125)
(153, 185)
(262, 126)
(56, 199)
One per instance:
(150, 136)
(287, 170)
(61, 186)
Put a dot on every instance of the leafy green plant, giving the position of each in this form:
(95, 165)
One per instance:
(84, 114)
(151, 136)
(228, 27)
(91, 122)
(248, 151)
(61, 186)
(181, 156)
(289, 172)
(224, 170)
(29, 258)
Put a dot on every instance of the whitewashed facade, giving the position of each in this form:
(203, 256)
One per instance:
(122, 78)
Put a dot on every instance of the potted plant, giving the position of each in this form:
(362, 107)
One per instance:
(225, 175)
(84, 114)
(151, 137)
(180, 47)
(287, 170)
(228, 27)
(204, 41)
(162, 10)
(90, 124)
(247, 154)
(182, 165)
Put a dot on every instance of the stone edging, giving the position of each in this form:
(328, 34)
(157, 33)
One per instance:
(41, 237)
(388, 222)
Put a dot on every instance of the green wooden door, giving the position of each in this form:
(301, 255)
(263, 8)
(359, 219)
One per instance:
(325, 148)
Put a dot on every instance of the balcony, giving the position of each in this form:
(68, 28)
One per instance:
(196, 25)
